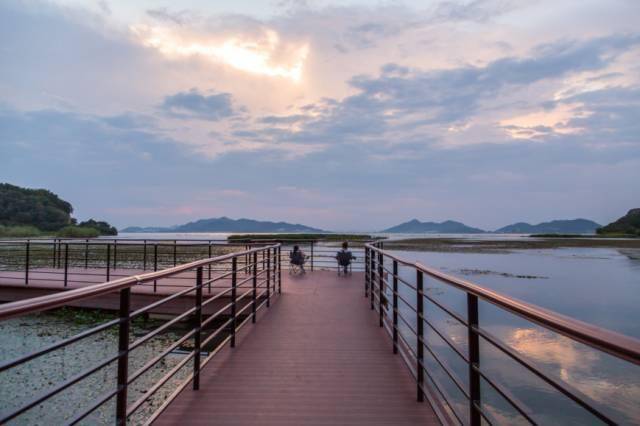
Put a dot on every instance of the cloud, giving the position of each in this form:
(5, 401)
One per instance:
(427, 111)
(162, 14)
(193, 104)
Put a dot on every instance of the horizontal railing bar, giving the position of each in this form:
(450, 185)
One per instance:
(442, 393)
(58, 345)
(448, 371)
(616, 344)
(447, 310)
(94, 407)
(216, 315)
(511, 399)
(161, 302)
(184, 384)
(483, 413)
(404, 340)
(59, 388)
(157, 359)
(563, 388)
(216, 297)
(405, 301)
(407, 324)
(36, 304)
(153, 389)
(446, 340)
(218, 330)
(160, 329)
(243, 295)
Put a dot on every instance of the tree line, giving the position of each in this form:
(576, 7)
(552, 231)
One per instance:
(26, 208)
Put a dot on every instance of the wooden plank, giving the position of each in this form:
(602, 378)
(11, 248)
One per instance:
(317, 357)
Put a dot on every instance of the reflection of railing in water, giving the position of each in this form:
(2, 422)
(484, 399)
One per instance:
(382, 280)
(260, 275)
(56, 260)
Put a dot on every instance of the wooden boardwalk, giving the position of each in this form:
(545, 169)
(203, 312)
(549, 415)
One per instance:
(316, 357)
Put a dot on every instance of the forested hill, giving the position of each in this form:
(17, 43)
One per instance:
(36, 207)
(570, 226)
(628, 224)
(34, 211)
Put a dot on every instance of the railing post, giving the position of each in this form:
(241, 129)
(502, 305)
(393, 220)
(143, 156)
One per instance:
(108, 260)
(123, 356)
(115, 254)
(234, 273)
(268, 277)
(366, 271)
(209, 264)
(66, 263)
(86, 254)
(26, 264)
(59, 252)
(279, 270)
(155, 265)
(175, 252)
(373, 268)
(420, 333)
(395, 306)
(54, 252)
(144, 255)
(254, 294)
(474, 360)
(380, 286)
(312, 255)
(198, 333)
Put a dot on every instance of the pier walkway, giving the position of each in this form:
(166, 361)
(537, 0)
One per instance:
(316, 357)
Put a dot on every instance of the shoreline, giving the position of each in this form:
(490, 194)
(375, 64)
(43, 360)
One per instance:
(464, 245)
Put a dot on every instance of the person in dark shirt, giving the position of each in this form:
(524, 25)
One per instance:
(298, 258)
(345, 257)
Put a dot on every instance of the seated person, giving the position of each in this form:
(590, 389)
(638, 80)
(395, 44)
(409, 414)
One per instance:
(345, 257)
(298, 258)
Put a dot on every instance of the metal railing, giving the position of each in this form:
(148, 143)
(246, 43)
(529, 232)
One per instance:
(390, 293)
(86, 261)
(243, 287)
(322, 255)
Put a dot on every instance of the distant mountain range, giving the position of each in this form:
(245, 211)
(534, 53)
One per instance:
(447, 227)
(414, 226)
(572, 226)
(225, 224)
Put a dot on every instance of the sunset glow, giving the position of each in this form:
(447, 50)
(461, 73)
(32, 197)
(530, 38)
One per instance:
(250, 55)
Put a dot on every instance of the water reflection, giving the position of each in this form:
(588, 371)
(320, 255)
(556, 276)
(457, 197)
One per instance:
(593, 373)
(600, 286)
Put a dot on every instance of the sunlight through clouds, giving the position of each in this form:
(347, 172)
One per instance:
(267, 56)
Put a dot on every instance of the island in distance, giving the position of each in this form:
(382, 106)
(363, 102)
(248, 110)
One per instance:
(570, 226)
(225, 224)
(414, 226)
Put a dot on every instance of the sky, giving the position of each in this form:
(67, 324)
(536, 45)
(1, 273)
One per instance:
(345, 116)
